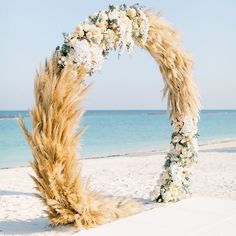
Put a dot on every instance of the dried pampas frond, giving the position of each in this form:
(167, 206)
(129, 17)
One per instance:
(176, 67)
(54, 139)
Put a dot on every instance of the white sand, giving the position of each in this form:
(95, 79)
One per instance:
(21, 213)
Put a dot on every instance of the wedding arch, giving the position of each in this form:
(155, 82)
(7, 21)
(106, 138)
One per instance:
(60, 88)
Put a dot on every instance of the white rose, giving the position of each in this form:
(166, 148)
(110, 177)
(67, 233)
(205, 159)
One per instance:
(113, 15)
(86, 27)
(184, 140)
(185, 152)
(73, 42)
(102, 25)
(176, 139)
(89, 35)
(98, 38)
(178, 148)
(80, 31)
(103, 16)
(131, 12)
(110, 35)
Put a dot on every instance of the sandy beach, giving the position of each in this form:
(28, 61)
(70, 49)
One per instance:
(134, 176)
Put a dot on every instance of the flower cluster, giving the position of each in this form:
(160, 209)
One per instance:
(117, 28)
(174, 181)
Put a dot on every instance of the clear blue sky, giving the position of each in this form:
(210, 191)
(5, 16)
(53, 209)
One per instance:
(31, 29)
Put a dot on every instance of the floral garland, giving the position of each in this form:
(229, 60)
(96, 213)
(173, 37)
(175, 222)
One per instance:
(174, 182)
(115, 29)
(119, 28)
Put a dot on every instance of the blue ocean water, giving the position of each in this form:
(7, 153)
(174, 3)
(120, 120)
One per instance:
(115, 132)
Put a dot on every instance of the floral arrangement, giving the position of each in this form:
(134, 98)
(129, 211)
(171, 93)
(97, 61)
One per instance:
(174, 182)
(114, 29)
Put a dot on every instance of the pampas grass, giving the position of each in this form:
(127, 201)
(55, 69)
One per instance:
(176, 67)
(54, 139)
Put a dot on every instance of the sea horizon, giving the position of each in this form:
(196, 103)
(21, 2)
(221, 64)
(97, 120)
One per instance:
(113, 133)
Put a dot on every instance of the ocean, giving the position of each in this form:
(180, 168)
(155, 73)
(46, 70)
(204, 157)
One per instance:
(114, 133)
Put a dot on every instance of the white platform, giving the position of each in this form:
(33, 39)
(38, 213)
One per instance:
(197, 216)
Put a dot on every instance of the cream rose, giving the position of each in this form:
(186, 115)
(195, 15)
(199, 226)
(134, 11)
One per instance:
(80, 31)
(103, 16)
(131, 12)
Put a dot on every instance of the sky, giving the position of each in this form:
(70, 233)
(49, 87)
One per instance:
(31, 30)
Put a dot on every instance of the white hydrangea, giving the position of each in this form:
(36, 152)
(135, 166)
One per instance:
(189, 127)
(113, 15)
(86, 54)
(175, 173)
(125, 30)
(109, 39)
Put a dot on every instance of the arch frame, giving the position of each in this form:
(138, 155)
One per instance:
(60, 88)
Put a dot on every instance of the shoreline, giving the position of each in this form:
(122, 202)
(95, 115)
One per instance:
(161, 151)
(213, 175)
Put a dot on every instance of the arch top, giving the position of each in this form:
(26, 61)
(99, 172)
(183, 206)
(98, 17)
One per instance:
(120, 28)
(117, 28)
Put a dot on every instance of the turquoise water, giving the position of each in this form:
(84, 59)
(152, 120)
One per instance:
(115, 132)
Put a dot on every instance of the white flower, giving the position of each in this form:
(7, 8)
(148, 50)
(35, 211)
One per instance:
(89, 35)
(110, 37)
(184, 139)
(103, 16)
(184, 151)
(178, 148)
(144, 27)
(176, 139)
(80, 31)
(174, 191)
(102, 25)
(131, 12)
(175, 173)
(167, 196)
(86, 26)
(189, 127)
(86, 54)
(113, 15)
(94, 34)
(189, 154)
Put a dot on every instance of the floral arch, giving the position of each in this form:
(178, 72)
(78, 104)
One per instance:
(60, 88)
